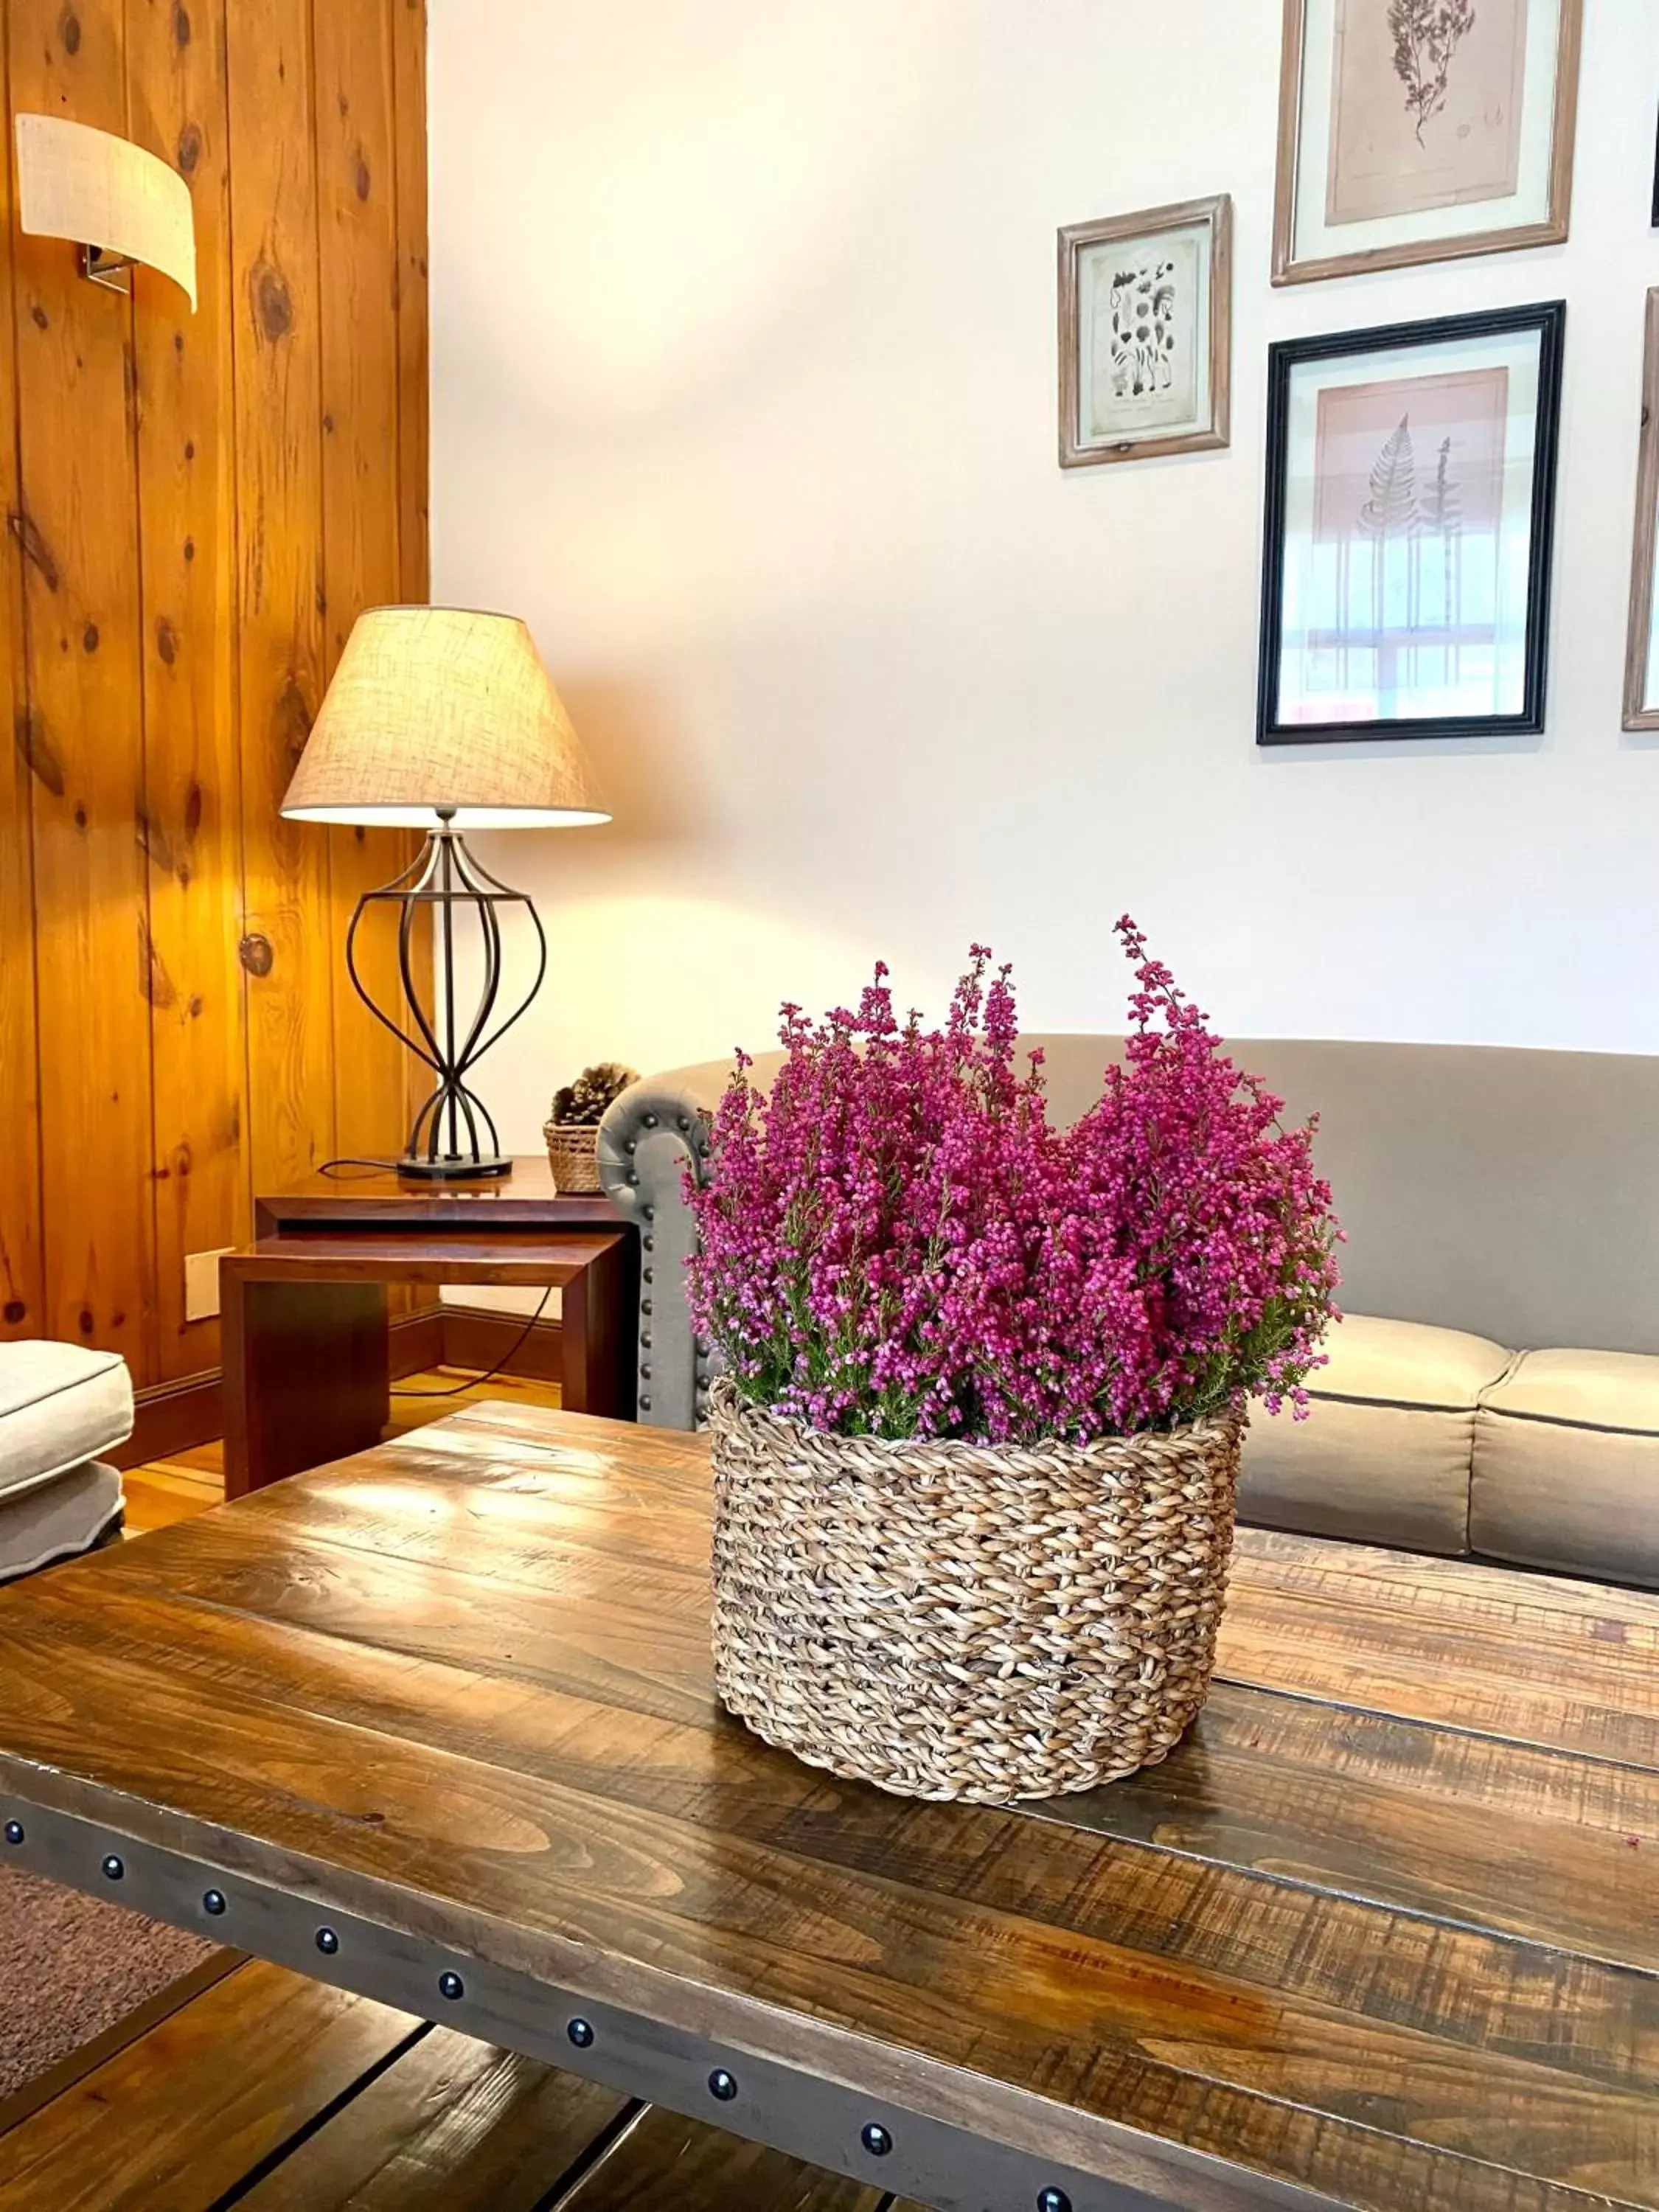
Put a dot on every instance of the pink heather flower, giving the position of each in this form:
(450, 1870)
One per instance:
(898, 1242)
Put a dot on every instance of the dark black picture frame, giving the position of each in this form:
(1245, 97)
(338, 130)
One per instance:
(1655, 181)
(1548, 320)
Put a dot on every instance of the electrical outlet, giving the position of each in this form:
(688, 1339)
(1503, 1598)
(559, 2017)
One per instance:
(202, 1283)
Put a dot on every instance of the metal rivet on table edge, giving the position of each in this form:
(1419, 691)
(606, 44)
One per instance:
(213, 1901)
(876, 2140)
(327, 1941)
(13, 1832)
(580, 2033)
(451, 1985)
(113, 1867)
(722, 2085)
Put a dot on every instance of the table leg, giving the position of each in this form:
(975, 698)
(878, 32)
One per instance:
(307, 1374)
(597, 1309)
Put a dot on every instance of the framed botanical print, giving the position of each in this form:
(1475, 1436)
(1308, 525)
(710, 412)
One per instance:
(1410, 509)
(1642, 653)
(1145, 333)
(1414, 131)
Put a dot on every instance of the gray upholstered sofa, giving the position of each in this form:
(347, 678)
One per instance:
(1495, 1389)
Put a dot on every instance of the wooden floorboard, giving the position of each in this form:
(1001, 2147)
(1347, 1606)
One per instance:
(164, 1491)
(272, 2092)
(190, 2109)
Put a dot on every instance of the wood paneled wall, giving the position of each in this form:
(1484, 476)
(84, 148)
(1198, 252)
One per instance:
(196, 508)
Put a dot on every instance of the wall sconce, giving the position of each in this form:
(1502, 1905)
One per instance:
(118, 203)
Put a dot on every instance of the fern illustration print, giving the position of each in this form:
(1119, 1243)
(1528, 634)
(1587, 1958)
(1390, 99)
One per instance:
(1429, 99)
(1426, 34)
(1391, 509)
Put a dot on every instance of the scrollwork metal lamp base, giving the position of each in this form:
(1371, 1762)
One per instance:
(453, 1136)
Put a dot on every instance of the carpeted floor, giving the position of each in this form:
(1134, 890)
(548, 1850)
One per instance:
(70, 1967)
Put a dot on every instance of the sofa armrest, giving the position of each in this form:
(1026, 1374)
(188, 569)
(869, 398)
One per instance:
(648, 1140)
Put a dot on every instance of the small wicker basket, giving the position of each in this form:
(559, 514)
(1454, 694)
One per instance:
(954, 1619)
(572, 1155)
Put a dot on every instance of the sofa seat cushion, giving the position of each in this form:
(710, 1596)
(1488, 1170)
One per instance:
(1383, 1456)
(1566, 1466)
(60, 1406)
(55, 1520)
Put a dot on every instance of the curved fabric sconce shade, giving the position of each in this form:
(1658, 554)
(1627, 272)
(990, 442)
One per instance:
(109, 196)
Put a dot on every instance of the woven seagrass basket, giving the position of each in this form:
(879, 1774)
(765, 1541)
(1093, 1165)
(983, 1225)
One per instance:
(573, 1154)
(952, 1619)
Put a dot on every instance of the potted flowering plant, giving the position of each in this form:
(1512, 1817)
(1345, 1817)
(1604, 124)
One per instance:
(986, 1382)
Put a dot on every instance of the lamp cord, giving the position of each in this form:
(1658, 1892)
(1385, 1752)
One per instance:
(489, 1373)
(473, 1382)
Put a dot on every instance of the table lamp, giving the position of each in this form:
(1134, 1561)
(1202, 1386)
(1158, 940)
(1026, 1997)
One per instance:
(444, 719)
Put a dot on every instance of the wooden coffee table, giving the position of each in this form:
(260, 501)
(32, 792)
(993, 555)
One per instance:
(435, 1724)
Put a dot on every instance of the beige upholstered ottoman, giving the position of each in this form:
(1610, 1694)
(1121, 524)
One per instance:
(1383, 1456)
(60, 1406)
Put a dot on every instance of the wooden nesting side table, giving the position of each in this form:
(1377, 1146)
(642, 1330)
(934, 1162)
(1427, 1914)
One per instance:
(303, 1308)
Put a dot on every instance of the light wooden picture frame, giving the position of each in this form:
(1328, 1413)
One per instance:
(1392, 154)
(1641, 649)
(1146, 334)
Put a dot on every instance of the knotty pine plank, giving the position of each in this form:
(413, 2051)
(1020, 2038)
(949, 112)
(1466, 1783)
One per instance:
(409, 46)
(22, 1284)
(95, 957)
(414, 346)
(287, 949)
(191, 832)
(358, 263)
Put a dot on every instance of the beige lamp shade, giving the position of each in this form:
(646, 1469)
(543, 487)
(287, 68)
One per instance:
(438, 707)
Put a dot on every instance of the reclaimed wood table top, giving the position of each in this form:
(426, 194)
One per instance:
(1382, 1932)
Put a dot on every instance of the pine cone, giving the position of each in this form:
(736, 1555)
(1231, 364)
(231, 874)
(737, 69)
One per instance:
(584, 1103)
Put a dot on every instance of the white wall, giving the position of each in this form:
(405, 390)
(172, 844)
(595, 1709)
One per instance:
(744, 394)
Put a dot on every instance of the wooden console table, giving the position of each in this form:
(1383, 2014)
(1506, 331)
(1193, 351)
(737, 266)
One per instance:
(304, 1316)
